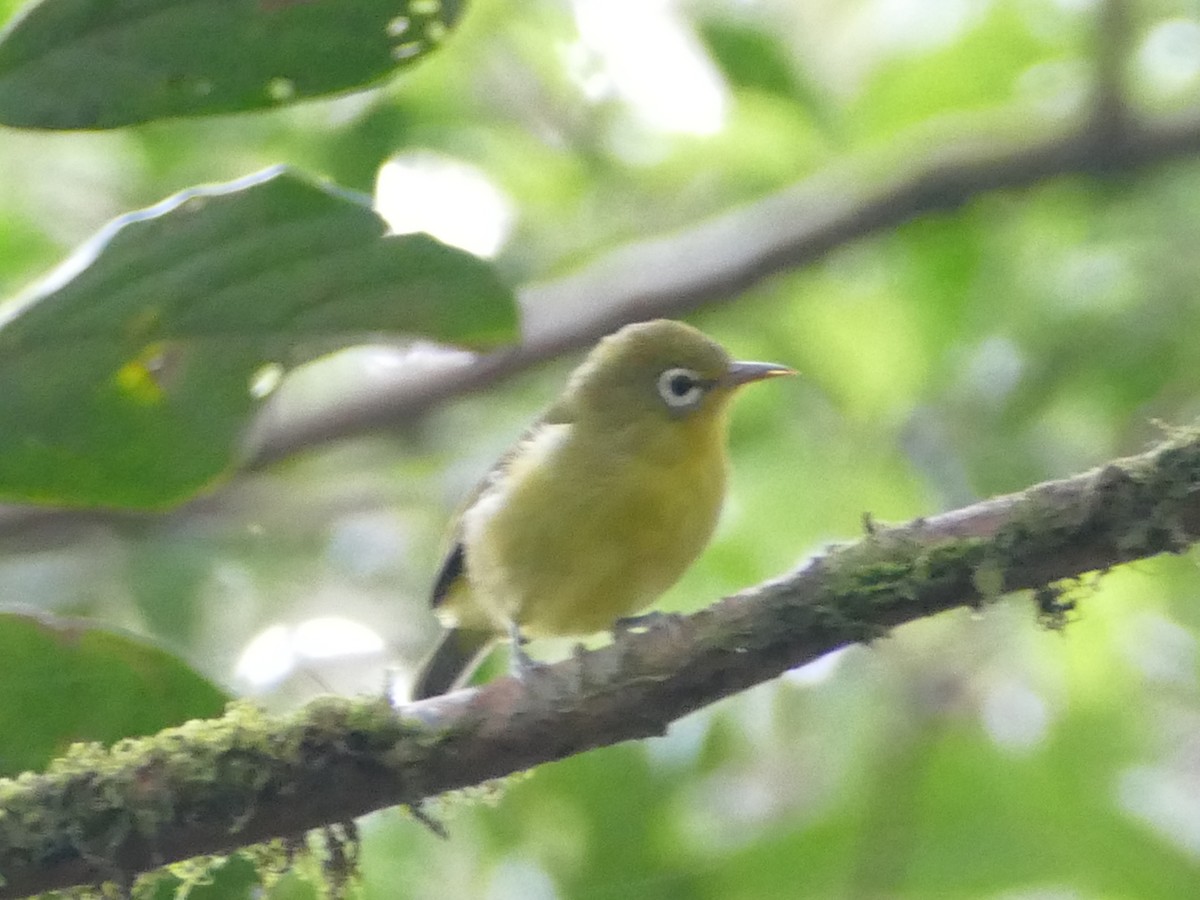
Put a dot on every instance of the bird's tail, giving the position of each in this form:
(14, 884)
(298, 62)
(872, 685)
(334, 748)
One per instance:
(453, 660)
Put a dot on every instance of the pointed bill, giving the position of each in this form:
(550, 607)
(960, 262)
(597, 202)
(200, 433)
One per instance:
(745, 372)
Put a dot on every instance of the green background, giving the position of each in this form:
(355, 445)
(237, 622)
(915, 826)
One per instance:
(1029, 334)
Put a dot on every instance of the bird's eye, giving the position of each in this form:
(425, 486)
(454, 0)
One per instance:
(680, 388)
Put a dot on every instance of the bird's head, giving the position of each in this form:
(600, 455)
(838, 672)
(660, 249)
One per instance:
(660, 371)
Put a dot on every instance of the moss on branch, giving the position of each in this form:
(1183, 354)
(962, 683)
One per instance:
(101, 814)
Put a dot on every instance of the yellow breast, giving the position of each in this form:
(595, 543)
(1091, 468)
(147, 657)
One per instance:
(582, 532)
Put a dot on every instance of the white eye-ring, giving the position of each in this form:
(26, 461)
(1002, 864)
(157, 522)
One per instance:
(681, 388)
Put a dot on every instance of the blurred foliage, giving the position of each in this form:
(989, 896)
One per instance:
(1026, 336)
(67, 681)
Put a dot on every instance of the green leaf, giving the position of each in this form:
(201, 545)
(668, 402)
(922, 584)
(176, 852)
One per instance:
(755, 58)
(127, 378)
(165, 886)
(107, 63)
(63, 681)
(292, 886)
(749, 57)
(235, 878)
(980, 70)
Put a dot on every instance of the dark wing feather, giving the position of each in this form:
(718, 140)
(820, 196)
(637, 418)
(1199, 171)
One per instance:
(455, 564)
(453, 567)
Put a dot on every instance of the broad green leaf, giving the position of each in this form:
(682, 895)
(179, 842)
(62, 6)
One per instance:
(63, 681)
(128, 377)
(104, 63)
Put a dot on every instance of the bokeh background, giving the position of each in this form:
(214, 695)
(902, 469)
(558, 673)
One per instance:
(1028, 335)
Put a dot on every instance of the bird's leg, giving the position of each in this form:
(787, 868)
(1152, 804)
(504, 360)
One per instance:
(520, 662)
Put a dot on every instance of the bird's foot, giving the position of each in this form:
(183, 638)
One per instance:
(520, 663)
(644, 622)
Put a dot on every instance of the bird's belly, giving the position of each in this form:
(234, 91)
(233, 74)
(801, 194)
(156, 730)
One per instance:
(598, 551)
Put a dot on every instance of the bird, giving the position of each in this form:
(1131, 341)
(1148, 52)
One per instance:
(601, 505)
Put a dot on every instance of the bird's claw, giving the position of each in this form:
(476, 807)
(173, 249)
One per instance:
(641, 623)
(520, 663)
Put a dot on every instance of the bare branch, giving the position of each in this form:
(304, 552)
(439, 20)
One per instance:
(728, 255)
(1110, 108)
(208, 787)
(710, 264)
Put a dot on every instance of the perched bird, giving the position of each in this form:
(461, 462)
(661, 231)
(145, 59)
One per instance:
(600, 507)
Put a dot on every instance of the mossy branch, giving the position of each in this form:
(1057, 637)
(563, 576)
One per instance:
(208, 787)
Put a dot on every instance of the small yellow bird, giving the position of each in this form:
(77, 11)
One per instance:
(600, 507)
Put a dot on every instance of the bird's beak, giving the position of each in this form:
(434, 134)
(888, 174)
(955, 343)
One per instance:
(745, 372)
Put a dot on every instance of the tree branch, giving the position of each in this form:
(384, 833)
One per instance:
(208, 787)
(724, 257)
(1113, 37)
(728, 255)
(709, 264)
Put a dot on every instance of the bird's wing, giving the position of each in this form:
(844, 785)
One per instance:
(454, 565)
